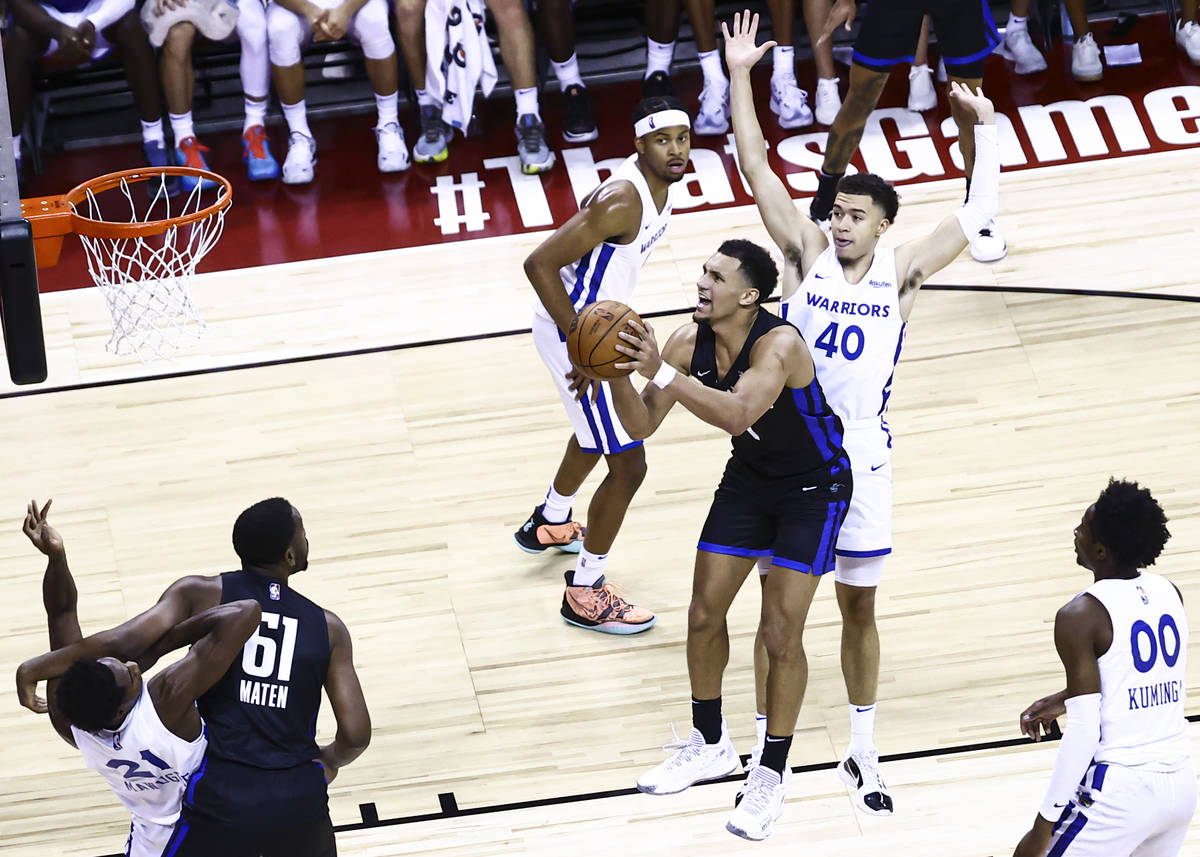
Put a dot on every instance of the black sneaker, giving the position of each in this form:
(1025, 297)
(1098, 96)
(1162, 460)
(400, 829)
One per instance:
(578, 124)
(657, 84)
(537, 534)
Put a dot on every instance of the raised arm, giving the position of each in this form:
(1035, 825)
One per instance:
(346, 697)
(641, 415)
(183, 598)
(217, 636)
(794, 234)
(921, 258)
(613, 213)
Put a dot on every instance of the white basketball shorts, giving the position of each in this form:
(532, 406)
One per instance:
(596, 425)
(1126, 812)
(867, 530)
(147, 838)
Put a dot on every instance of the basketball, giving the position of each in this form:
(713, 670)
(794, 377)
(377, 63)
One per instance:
(593, 338)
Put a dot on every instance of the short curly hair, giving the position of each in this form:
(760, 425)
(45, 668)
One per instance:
(1128, 521)
(88, 695)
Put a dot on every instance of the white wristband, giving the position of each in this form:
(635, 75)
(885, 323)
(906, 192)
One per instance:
(665, 375)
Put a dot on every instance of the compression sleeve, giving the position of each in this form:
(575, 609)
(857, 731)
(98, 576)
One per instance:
(1079, 744)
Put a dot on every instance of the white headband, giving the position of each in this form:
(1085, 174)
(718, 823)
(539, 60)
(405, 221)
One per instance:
(661, 119)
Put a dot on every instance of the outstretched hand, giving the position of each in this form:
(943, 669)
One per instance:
(44, 537)
(841, 15)
(740, 50)
(975, 102)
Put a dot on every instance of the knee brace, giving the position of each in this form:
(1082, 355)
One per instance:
(859, 570)
(372, 32)
(285, 33)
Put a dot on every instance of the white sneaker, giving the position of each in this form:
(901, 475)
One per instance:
(692, 762)
(760, 804)
(301, 156)
(1085, 59)
(393, 150)
(988, 245)
(829, 102)
(1187, 36)
(921, 94)
(790, 103)
(1018, 46)
(712, 119)
(860, 771)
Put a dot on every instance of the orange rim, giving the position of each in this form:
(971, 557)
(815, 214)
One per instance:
(92, 228)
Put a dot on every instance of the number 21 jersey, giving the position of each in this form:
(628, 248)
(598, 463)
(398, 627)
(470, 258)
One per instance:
(263, 711)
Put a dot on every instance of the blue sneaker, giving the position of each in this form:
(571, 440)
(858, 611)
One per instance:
(155, 155)
(189, 152)
(256, 153)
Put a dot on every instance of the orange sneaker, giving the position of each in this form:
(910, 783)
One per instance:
(537, 534)
(601, 607)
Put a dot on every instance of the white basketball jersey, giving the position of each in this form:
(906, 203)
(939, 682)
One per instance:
(1143, 675)
(609, 272)
(147, 766)
(855, 332)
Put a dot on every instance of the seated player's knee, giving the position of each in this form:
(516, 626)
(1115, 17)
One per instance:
(374, 30)
(284, 36)
(180, 37)
(252, 25)
(22, 48)
(409, 13)
(506, 13)
(127, 29)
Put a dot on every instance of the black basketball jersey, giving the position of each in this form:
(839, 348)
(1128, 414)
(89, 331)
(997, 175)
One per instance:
(799, 434)
(263, 711)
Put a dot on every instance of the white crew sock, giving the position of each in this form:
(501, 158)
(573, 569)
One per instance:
(862, 728)
(783, 63)
(558, 506)
(658, 56)
(256, 113)
(589, 568)
(152, 132)
(388, 108)
(425, 97)
(296, 116)
(527, 102)
(181, 126)
(16, 144)
(567, 72)
(760, 728)
(710, 64)
(1016, 22)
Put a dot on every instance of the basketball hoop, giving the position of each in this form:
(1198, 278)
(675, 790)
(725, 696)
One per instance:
(142, 249)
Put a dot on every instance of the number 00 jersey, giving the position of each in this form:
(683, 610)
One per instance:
(1143, 675)
(854, 331)
(146, 765)
(263, 711)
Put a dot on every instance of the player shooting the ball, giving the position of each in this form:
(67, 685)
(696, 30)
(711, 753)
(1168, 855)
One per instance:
(784, 494)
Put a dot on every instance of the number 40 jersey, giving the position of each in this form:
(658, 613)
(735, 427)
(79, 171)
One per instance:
(854, 331)
(263, 711)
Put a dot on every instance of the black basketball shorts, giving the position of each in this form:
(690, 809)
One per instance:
(795, 519)
(234, 810)
(966, 34)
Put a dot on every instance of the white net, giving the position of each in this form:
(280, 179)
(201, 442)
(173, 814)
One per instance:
(146, 279)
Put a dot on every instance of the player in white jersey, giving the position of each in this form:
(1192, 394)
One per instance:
(850, 299)
(598, 255)
(145, 738)
(1123, 783)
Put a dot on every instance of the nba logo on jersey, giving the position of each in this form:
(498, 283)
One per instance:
(273, 590)
(1142, 593)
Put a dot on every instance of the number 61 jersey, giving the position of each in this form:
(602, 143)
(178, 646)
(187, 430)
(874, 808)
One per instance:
(854, 331)
(263, 711)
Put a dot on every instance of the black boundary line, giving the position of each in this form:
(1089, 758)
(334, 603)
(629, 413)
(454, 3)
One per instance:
(478, 337)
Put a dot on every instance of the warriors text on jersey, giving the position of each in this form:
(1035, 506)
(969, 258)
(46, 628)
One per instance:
(146, 765)
(1143, 675)
(798, 434)
(610, 271)
(854, 331)
(263, 711)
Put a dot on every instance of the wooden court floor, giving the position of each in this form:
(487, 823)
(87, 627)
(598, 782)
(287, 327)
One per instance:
(412, 466)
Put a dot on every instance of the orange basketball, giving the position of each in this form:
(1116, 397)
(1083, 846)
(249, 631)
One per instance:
(593, 338)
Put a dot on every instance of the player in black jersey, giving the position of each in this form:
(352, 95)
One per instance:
(261, 789)
(784, 494)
